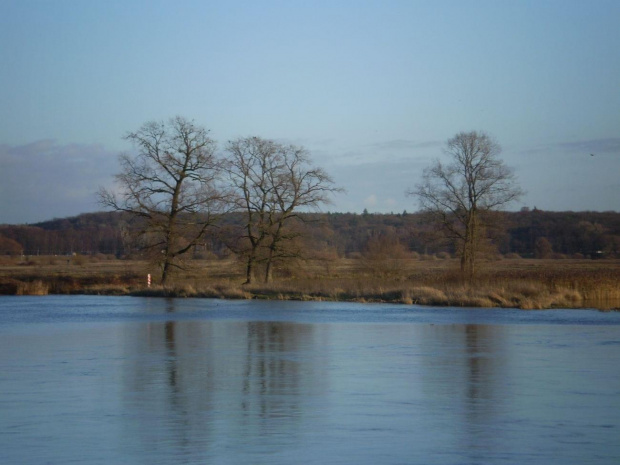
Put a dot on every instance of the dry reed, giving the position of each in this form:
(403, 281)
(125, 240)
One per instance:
(517, 283)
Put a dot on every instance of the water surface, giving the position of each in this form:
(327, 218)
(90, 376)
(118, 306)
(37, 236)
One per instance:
(97, 380)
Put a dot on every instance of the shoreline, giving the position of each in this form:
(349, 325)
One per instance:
(460, 297)
(523, 284)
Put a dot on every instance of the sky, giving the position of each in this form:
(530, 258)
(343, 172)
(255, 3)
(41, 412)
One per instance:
(373, 89)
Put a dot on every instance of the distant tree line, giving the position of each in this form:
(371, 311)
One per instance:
(89, 234)
(529, 233)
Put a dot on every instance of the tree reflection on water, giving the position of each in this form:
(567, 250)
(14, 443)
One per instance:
(197, 380)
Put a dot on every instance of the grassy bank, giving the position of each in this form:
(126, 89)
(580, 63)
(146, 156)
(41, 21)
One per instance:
(519, 283)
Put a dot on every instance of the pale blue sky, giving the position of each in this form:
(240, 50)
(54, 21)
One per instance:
(372, 88)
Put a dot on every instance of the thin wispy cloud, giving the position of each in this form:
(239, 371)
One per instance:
(609, 145)
(380, 153)
(44, 179)
(589, 146)
(404, 145)
(378, 186)
(370, 201)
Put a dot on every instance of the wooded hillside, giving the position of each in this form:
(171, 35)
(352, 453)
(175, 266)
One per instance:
(528, 233)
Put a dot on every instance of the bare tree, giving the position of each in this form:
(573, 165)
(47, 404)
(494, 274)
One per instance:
(170, 186)
(273, 182)
(248, 164)
(459, 194)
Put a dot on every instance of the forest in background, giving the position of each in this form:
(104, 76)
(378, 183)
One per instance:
(527, 233)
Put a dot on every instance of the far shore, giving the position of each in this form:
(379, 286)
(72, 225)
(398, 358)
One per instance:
(505, 283)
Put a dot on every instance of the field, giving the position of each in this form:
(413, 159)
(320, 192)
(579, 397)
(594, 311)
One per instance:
(518, 283)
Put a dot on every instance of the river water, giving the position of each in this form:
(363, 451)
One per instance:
(122, 380)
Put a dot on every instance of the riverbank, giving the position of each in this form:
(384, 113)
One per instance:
(516, 283)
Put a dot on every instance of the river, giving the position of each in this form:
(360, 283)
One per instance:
(126, 380)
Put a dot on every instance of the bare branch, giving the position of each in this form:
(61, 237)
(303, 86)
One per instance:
(473, 182)
(172, 183)
(272, 183)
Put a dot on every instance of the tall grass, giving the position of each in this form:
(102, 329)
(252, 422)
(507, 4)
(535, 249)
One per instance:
(516, 283)
(32, 288)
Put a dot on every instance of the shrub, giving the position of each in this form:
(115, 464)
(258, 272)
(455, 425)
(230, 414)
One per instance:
(32, 288)
(205, 255)
(426, 295)
(9, 286)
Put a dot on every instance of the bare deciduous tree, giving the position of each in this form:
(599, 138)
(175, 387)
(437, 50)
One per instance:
(170, 186)
(458, 194)
(542, 248)
(383, 253)
(272, 182)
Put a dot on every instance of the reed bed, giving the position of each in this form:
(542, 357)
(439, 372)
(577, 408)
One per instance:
(517, 283)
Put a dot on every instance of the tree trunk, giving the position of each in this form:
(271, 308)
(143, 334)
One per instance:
(269, 267)
(165, 271)
(468, 255)
(249, 270)
(272, 251)
(468, 263)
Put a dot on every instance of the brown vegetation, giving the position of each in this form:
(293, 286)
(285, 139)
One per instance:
(515, 283)
(575, 235)
(462, 194)
(169, 189)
